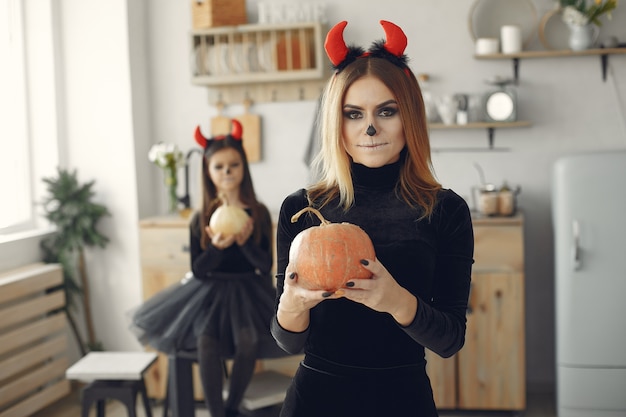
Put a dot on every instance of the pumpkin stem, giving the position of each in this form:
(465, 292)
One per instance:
(296, 216)
(224, 199)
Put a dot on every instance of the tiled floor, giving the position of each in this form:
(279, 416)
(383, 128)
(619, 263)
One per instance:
(538, 405)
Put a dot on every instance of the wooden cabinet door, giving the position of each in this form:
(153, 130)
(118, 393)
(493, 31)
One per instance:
(491, 365)
(165, 260)
(442, 374)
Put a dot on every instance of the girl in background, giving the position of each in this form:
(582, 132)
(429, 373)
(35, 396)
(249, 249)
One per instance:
(225, 309)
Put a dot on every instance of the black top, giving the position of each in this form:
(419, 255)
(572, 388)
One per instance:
(249, 257)
(432, 258)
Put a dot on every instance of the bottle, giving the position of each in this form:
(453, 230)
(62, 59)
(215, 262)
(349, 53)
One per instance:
(429, 102)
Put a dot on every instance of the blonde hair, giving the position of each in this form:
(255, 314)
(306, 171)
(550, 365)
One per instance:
(417, 184)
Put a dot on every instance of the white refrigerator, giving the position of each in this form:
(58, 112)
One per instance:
(589, 218)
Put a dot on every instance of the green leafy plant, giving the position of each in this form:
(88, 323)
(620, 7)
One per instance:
(579, 13)
(70, 208)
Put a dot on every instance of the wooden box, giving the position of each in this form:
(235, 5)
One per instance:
(210, 13)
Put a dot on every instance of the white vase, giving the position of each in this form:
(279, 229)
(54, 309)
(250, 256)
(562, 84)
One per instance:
(582, 37)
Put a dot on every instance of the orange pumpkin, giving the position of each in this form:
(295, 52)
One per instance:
(327, 256)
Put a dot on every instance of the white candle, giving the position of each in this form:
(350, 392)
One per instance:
(510, 39)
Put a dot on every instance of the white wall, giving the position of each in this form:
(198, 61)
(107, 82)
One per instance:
(126, 84)
(100, 144)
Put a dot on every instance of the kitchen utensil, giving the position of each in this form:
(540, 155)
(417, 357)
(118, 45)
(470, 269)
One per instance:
(507, 200)
(486, 46)
(220, 124)
(486, 199)
(251, 124)
(447, 106)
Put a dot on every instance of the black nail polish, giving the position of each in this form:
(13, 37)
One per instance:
(292, 275)
(349, 284)
(327, 294)
(364, 262)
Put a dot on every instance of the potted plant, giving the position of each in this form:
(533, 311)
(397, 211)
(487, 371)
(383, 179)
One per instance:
(69, 207)
(168, 157)
(583, 19)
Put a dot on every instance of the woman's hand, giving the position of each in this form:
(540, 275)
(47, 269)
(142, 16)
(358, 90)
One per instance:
(381, 293)
(218, 240)
(245, 233)
(295, 303)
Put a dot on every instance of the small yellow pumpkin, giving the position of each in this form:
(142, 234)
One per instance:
(227, 219)
(327, 256)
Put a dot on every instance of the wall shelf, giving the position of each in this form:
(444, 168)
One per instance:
(603, 53)
(490, 126)
(269, 62)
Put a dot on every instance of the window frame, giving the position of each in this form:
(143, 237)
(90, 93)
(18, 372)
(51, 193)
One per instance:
(18, 168)
(40, 25)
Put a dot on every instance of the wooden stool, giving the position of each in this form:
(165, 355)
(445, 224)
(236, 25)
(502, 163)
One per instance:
(113, 375)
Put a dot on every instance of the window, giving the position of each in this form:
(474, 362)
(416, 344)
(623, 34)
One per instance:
(16, 209)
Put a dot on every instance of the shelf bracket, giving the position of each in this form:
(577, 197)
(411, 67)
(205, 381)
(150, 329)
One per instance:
(515, 69)
(490, 136)
(604, 61)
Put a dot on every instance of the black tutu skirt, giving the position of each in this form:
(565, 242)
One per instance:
(171, 320)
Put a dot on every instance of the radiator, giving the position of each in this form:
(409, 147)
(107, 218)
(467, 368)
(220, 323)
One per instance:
(33, 339)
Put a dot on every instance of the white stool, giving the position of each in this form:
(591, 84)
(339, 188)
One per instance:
(115, 375)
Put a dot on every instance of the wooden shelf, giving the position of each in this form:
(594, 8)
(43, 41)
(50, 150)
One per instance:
(553, 54)
(603, 53)
(272, 62)
(490, 126)
(481, 125)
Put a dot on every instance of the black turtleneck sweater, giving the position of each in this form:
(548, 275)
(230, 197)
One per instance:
(431, 258)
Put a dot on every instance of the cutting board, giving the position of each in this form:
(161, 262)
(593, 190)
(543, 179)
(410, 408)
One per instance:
(251, 124)
(220, 124)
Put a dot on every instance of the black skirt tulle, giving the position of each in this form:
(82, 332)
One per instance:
(171, 320)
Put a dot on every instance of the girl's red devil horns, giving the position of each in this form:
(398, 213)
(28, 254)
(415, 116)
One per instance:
(235, 133)
(199, 137)
(337, 50)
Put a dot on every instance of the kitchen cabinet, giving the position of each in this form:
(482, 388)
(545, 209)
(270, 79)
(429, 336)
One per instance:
(489, 372)
(262, 62)
(164, 250)
(165, 260)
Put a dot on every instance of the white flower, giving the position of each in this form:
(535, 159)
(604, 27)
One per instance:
(153, 153)
(573, 16)
(166, 155)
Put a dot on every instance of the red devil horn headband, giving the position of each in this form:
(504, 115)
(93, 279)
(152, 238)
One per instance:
(335, 46)
(392, 48)
(396, 39)
(235, 134)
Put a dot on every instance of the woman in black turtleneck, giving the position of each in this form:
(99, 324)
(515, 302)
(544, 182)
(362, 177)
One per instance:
(364, 344)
